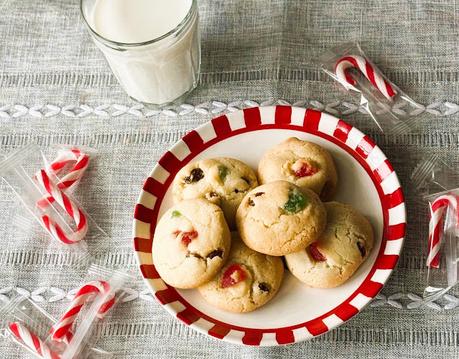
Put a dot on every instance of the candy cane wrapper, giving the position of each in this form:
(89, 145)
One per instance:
(442, 244)
(110, 288)
(69, 164)
(433, 174)
(436, 181)
(49, 202)
(26, 324)
(387, 105)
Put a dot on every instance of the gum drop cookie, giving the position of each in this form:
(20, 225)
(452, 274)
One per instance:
(303, 163)
(248, 280)
(279, 218)
(191, 243)
(223, 181)
(340, 250)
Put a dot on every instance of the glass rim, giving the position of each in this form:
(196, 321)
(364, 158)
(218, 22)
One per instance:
(107, 41)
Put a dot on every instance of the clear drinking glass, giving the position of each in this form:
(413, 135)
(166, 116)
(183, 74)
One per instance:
(161, 71)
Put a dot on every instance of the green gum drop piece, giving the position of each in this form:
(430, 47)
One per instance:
(175, 214)
(296, 201)
(223, 172)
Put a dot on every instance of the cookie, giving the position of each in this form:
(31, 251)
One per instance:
(248, 280)
(223, 181)
(191, 243)
(279, 218)
(303, 163)
(340, 250)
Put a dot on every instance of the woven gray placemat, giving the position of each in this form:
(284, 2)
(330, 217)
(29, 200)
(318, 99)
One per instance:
(56, 88)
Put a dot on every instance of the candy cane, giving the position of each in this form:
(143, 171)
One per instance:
(75, 157)
(31, 341)
(70, 208)
(372, 74)
(85, 294)
(65, 157)
(437, 213)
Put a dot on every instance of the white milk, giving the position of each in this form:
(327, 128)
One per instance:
(158, 72)
(134, 21)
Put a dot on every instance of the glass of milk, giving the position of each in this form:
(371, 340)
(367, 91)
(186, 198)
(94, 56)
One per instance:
(152, 46)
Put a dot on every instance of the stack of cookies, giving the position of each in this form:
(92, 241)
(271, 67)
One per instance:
(323, 244)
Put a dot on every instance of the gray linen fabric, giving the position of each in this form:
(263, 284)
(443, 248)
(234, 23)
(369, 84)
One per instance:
(252, 50)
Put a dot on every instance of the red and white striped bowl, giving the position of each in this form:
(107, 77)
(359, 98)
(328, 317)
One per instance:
(367, 181)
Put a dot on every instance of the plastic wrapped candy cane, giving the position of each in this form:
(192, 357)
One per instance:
(96, 298)
(69, 166)
(379, 97)
(26, 324)
(86, 294)
(73, 335)
(47, 196)
(32, 342)
(439, 186)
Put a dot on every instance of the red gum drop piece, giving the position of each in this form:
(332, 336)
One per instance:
(315, 253)
(187, 237)
(306, 170)
(233, 275)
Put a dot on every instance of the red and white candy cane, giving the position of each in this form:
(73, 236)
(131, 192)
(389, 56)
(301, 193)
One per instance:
(436, 223)
(84, 295)
(70, 208)
(79, 162)
(75, 157)
(23, 335)
(373, 75)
